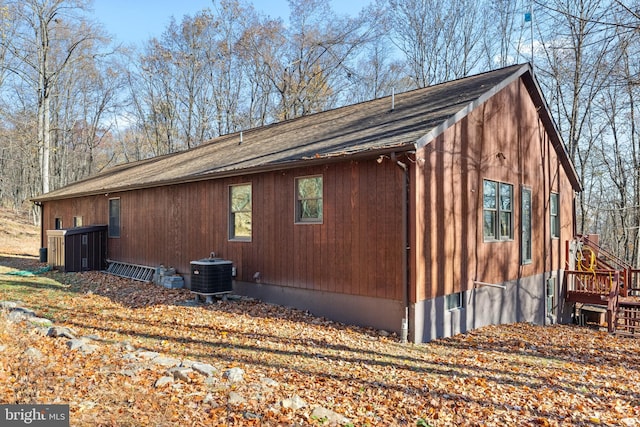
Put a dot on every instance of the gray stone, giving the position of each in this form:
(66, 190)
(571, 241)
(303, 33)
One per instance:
(234, 375)
(236, 399)
(39, 321)
(327, 415)
(211, 381)
(24, 311)
(76, 343)
(82, 344)
(33, 353)
(16, 316)
(181, 374)
(208, 399)
(61, 331)
(163, 381)
(296, 402)
(7, 305)
(167, 362)
(147, 354)
(270, 382)
(204, 369)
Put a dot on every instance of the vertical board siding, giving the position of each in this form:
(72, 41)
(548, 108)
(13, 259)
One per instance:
(356, 250)
(451, 253)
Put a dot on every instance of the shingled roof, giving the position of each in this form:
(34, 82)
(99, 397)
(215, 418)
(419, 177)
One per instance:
(365, 128)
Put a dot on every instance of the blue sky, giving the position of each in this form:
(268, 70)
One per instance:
(134, 21)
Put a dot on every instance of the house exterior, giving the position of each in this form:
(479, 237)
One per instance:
(428, 213)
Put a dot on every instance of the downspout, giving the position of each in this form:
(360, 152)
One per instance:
(41, 206)
(404, 328)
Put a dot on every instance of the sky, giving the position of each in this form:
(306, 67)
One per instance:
(135, 21)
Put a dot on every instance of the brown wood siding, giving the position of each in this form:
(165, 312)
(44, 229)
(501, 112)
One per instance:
(502, 140)
(356, 250)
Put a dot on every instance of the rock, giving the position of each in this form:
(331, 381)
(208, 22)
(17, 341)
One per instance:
(269, 382)
(76, 343)
(33, 353)
(204, 369)
(61, 331)
(163, 381)
(208, 399)
(211, 381)
(147, 354)
(234, 375)
(8, 305)
(39, 321)
(16, 316)
(181, 374)
(630, 422)
(236, 398)
(126, 346)
(24, 311)
(296, 402)
(251, 416)
(2, 348)
(82, 344)
(167, 362)
(383, 333)
(320, 413)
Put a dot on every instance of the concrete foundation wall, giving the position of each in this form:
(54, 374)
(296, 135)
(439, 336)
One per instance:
(522, 300)
(350, 309)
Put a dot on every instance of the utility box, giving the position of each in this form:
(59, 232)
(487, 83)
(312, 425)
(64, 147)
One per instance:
(78, 249)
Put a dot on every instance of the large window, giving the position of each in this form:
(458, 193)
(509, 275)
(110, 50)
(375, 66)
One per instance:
(309, 199)
(498, 210)
(114, 217)
(554, 215)
(525, 244)
(240, 212)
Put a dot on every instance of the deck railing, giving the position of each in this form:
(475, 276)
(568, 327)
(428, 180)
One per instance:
(601, 287)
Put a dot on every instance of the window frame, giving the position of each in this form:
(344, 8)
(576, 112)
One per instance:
(115, 224)
(57, 223)
(526, 245)
(233, 236)
(299, 201)
(77, 221)
(496, 212)
(454, 301)
(554, 217)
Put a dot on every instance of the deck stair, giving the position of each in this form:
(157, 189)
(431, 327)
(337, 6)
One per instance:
(131, 271)
(597, 278)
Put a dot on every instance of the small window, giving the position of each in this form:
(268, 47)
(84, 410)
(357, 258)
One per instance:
(525, 244)
(114, 217)
(454, 301)
(497, 210)
(57, 224)
(240, 212)
(309, 199)
(77, 221)
(555, 215)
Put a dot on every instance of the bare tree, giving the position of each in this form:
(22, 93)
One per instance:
(49, 39)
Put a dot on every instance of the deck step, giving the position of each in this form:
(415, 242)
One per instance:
(141, 273)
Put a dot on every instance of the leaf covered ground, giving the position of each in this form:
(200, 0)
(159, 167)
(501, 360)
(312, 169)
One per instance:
(510, 375)
(516, 374)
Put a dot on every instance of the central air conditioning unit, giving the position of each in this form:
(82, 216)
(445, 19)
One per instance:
(211, 276)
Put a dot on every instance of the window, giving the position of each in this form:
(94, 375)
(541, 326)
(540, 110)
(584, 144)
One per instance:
(498, 210)
(114, 217)
(57, 224)
(555, 215)
(77, 221)
(525, 244)
(454, 301)
(309, 199)
(240, 212)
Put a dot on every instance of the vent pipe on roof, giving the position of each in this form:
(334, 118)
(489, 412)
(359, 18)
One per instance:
(393, 98)
(240, 138)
